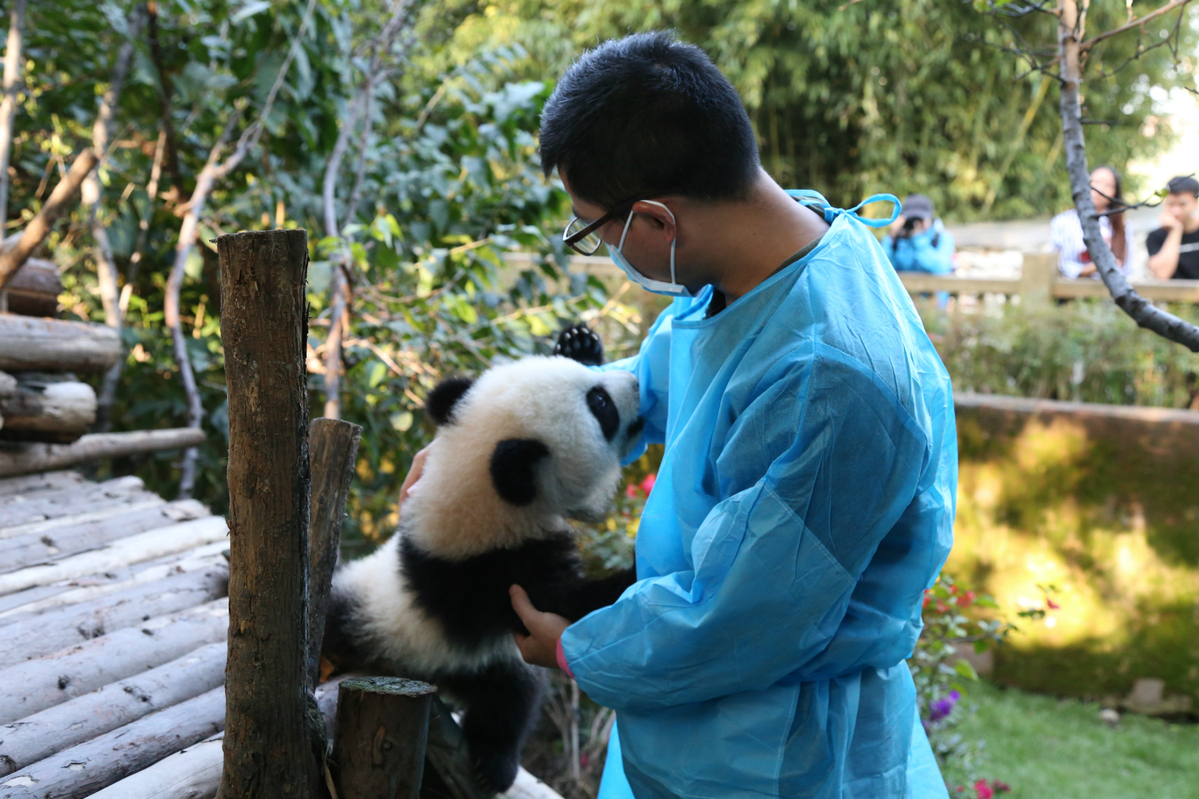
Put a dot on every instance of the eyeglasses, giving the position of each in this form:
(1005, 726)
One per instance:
(584, 238)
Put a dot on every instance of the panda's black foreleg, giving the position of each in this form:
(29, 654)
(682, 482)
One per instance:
(502, 703)
(575, 597)
(580, 343)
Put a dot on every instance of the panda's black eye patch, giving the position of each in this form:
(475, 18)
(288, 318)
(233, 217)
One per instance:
(604, 409)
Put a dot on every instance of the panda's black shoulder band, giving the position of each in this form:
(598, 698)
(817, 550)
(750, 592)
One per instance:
(440, 402)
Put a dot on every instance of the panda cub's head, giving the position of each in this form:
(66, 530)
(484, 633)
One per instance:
(517, 452)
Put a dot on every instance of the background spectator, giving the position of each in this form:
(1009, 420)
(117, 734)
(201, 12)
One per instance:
(1174, 247)
(1065, 231)
(918, 242)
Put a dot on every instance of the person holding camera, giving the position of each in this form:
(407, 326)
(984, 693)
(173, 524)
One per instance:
(918, 242)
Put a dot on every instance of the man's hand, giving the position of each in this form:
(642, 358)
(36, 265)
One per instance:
(1170, 222)
(540, 646)
(897, 225)
(418, 468)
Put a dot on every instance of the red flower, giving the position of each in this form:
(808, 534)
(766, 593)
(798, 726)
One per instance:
(1000, 787)
(631, 491)
(941, 606)
(982, 790)
(647, 485)
(1052, 605)
(966, 599)
(927, 599)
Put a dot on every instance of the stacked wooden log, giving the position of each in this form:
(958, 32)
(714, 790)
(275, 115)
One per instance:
(46, 411)
(113, 638)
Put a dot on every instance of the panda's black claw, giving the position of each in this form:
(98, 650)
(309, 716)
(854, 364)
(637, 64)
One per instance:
(580, 343)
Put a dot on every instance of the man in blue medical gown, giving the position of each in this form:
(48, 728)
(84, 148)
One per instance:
(806, 494)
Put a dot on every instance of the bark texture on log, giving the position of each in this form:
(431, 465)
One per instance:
(37, 406)
(379, 744)
(194, 773)
(87, 531)
(264, 326)
(35, 685)
(17, 515)
(28, 344)
(41, 735)
(59, 628)
(34, 290)
(86, 768)
(19, 459)
(27, 604)
(23, 488)
(157, 543)
(59, 203)
(333, 446)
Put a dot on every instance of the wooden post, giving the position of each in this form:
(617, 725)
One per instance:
(264, 326)
(379, 745)
(1036, 279)
(333, 445)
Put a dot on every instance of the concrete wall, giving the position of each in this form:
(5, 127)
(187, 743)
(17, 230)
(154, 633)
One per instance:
(1102, 502)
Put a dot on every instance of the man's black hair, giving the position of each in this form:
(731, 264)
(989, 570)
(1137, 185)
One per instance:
(1183, 184)
(648, 114)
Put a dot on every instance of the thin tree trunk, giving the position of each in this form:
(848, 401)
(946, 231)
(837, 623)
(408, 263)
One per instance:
(264, 326)
(13, 62)
(339, 291)
(213, 170)
(93, 195)
(1142, 312)
(112, 377)
(39, 227)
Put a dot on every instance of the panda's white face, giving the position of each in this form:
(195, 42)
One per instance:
(522, 448)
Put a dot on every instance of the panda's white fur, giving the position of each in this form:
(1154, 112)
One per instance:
(454, 511)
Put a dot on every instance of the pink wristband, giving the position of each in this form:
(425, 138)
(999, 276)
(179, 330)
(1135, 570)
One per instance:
(562, 664)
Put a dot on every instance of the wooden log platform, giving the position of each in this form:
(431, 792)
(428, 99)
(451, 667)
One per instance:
(113, 637)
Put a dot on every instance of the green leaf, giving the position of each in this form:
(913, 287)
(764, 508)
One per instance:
(378, 373)
(963, 668)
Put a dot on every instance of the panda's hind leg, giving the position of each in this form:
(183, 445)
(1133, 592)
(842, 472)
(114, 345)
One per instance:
(502, 704)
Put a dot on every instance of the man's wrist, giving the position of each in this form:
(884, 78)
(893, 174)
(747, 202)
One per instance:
(562, 664)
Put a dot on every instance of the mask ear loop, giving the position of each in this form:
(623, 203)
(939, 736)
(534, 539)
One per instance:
(673, 242)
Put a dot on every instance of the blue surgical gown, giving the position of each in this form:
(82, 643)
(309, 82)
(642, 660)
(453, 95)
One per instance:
(804, 502)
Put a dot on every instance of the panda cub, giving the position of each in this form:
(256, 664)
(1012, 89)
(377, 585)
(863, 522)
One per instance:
(517, 452)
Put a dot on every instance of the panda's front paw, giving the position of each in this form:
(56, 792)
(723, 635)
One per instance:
(580, 343)
(496, 768)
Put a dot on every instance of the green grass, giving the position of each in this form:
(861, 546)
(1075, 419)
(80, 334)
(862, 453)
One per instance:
(1046, 748)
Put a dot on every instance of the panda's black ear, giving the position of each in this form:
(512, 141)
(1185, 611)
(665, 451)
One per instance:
(440, 402)
(512, 469)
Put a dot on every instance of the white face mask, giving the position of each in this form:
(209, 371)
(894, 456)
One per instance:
(671, 289)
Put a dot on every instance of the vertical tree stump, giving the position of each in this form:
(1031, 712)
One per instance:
(382, 729)
(269, 748)
(333, 445)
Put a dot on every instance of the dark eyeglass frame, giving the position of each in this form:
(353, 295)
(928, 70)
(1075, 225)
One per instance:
(571, 239)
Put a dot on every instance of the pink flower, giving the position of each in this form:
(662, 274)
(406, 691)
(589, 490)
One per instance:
(647, 485)
(1052, 605)
(982, 790)
(631, 491)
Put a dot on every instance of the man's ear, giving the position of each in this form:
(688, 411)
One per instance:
(441, 401)
(513, 469)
